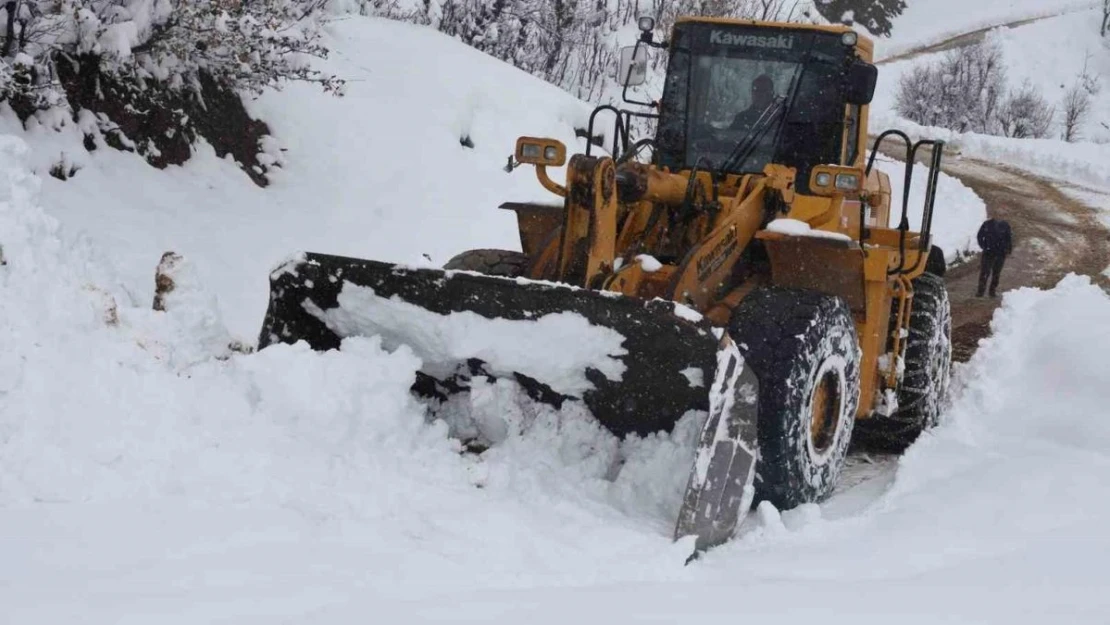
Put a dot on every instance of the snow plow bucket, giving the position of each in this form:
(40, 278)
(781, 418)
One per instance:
(637, 365)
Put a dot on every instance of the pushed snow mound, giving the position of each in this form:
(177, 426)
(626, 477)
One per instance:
(996, 515)
(1042, 377)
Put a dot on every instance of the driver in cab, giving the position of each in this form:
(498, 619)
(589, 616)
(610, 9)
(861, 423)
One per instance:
(763, 94)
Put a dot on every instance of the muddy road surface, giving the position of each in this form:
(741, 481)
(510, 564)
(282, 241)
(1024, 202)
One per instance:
(1054, 235)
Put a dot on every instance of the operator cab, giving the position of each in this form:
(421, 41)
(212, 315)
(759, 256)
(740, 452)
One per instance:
(738, 96)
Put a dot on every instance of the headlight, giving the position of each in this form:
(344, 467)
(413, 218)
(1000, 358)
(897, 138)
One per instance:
(847, 182)
(531, 150)
(823, 179)
(646, 23)
(540, 151)
(849, 38)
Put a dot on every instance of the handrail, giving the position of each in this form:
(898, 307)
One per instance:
(620, 134)
(930, 195)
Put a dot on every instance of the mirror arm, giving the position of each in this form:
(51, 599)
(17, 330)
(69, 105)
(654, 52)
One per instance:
(548, 183)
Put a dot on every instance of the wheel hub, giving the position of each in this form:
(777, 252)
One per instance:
(826, 411)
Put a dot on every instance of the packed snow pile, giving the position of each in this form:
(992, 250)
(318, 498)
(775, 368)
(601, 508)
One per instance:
(1046, 355)
(555, 348)
(143, 432)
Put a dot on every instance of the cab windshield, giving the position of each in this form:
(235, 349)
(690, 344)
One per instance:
(784, 99)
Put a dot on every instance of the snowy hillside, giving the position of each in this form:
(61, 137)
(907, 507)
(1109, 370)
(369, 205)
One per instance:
(1048, 44)
(926, 22)
(379, 173)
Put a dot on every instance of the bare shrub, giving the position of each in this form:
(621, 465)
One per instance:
(1077, 101)
(962, 91)
(1077, 106)
(1025, 114)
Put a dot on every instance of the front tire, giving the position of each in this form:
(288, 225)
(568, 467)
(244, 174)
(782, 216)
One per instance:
(803, 347)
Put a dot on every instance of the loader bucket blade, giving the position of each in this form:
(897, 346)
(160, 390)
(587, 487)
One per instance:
(638, 365)
(721, 485)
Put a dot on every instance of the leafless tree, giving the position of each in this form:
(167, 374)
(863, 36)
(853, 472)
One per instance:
(1077, 106)
(1077, 101)
(1025, 114)
(962, 91)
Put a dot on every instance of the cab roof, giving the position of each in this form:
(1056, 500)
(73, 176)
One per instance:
(864, 45)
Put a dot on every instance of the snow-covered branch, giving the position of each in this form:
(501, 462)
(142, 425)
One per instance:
(244, 45)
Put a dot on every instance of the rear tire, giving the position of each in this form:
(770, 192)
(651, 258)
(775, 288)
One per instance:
(924, 387)
(802, 346)
(490, 262)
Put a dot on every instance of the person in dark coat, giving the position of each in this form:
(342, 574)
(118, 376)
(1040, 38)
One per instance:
(997, 241)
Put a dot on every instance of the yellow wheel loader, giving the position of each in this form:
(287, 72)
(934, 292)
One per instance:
(747, 269)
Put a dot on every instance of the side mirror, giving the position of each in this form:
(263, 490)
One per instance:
(633, 66)
(860, 83)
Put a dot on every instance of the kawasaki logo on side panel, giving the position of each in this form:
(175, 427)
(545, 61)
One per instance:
(725, 38)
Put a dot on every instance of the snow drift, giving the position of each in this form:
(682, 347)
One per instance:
(118, 418)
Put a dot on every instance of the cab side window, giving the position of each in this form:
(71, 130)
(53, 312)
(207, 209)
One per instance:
(852, 128)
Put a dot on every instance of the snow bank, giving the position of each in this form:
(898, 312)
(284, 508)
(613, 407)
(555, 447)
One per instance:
(128, 440)
(1047, 354)
(104, 400)
(1084, 163)
(1080, 162)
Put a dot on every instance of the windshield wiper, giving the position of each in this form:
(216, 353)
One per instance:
(744, 149)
